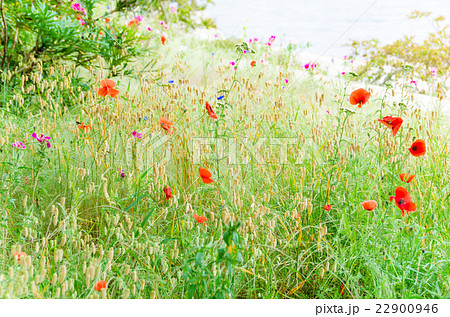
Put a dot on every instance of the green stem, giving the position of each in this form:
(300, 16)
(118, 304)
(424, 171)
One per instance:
(5, 32)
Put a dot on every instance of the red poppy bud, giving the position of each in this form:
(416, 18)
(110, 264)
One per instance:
(168, 192)
(406, 177)
(369, 205)
(100, 285)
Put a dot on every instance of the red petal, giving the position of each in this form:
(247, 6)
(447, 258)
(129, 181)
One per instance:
(103, 91)
(369, 205)
(107, 83)
(401, 192)
(211, 113)
(204, 173)
(164, 120)
(393, 123)
(410, 206)
(382, 121)
(396, 124)
(207, 180)
(359, 97)
(406, 177)
(113, 92)
(418, 148)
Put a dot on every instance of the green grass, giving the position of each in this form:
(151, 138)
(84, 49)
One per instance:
(80, 222)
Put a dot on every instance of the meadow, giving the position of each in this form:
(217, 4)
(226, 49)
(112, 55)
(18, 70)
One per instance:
(227, 171)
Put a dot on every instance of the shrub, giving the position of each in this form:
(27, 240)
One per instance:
(185, 10)
(47, 32)
(43, 34)
(429, 58)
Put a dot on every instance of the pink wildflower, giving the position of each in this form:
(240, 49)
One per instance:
(77, 7)
(433, 71)
(271, 40)
(310, 66)
(19, 145)
(136, 134)
(42, 139)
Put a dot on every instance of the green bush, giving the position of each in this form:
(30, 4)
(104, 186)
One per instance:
(429, 58)
(43, 34)
(49, 31)
(185, 10)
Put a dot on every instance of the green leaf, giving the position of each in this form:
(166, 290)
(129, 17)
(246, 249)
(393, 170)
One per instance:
(147, 217)
(191, 290)
(198, 259)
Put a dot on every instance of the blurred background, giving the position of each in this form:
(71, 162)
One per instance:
(321, 22)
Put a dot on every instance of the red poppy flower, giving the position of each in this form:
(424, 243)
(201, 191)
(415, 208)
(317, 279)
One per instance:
(211, 113)
(166, 124)
(85, 128)
(163, 40)
(100, 285)
(134, 22)
(107, 20)
(403, 201)
(253, 64)
(168, 192)
(107, 88)
(327, 207)
(418, 148)
(406, 177)
(200, 219)
(369, 205)
(19, 255)
(205, 175)
(393, 123)
(359, 97)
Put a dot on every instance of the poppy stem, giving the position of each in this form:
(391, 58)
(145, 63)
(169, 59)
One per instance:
(338, 145)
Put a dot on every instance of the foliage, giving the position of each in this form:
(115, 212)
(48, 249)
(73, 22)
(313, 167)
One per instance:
(92, 207)
(44, 34)
(384, 63)
(200, 271)
(48, 31)
(186, 10)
